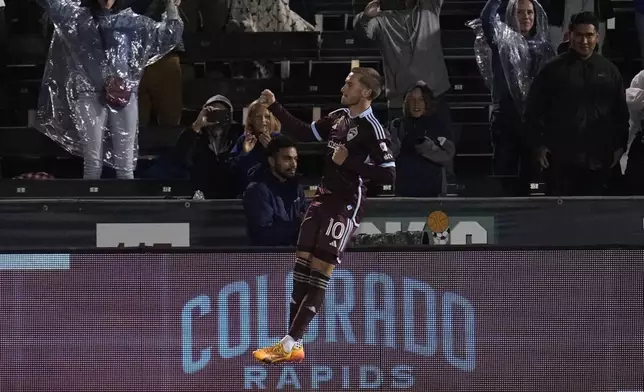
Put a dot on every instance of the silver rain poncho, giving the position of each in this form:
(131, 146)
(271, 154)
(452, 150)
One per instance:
(94, 56)
(520, 57)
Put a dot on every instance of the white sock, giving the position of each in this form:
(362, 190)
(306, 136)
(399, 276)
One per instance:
(288, 343)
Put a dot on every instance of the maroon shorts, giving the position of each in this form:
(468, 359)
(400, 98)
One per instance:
(326, 230)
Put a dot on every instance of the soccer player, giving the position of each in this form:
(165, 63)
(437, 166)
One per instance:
(358, 150)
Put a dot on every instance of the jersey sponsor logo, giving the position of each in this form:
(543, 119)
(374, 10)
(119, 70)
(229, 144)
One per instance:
(353, 132)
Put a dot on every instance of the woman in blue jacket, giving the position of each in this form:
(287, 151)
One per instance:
(249, 153)
(89, 92)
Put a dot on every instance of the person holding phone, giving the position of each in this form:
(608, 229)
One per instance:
(203, 152)
(409, 38)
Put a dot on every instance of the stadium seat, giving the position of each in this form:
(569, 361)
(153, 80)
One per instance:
(251, 46)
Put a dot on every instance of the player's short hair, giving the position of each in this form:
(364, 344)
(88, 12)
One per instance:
(584, 18)
(371, 79)
(278, 143)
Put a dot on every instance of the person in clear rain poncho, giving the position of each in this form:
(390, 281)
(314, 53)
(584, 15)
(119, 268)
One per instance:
(88, 100)
(509, 55)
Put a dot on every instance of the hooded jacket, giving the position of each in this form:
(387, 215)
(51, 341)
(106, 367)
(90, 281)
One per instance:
(273, 210)
(207, 155)
(411, 47)
(508, 60)
(423, 149)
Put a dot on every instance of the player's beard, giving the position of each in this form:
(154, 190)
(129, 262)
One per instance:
(349, 101)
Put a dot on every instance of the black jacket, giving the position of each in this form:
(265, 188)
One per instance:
(273, 210)
(210, 172)
(577, 108)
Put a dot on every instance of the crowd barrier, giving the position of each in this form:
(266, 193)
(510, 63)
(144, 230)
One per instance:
(539, 221)
(414, 319)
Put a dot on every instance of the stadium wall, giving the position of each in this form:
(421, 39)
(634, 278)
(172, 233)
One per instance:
(415, 319)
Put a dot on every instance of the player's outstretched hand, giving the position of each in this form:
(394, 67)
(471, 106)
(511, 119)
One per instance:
(340, 155)
(267, 98)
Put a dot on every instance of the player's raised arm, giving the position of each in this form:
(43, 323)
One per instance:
(292, 126)
(381, 166)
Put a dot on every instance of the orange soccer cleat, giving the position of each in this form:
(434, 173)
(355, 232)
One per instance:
(277, 354)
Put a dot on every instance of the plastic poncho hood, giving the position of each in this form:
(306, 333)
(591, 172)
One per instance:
(521, 56)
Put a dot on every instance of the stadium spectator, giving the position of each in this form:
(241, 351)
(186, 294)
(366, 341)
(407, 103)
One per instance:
(90, 85)
(632, 163)
(565, 45)
(161, 88)
(576, 116)
(560, 11)
(203, 152)
(422, 145)
(274, 203)
(410, 43)
(518, 48)
(249, 153)
(635, 101)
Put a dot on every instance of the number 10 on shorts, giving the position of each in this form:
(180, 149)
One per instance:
(336, 230)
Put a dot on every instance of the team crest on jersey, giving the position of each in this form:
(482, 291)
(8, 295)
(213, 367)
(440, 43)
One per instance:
(383, 146)
(334, 145)
(353, 132)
